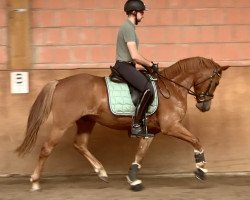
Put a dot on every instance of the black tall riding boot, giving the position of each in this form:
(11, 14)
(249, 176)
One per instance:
(139, 128)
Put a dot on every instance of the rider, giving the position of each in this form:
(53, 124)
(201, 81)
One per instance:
(127, 56)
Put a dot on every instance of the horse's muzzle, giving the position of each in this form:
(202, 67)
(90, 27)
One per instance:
(204, 106)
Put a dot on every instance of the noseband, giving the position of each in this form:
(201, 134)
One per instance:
(200, 97)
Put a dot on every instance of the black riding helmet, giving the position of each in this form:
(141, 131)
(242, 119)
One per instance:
(134, 5)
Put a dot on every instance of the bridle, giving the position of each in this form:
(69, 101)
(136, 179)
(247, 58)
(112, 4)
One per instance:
(200, 97)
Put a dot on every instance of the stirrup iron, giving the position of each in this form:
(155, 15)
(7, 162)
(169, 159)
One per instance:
(142, 130)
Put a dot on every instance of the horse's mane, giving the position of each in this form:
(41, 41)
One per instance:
(190, 65)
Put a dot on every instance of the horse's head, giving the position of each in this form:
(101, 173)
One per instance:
(205, 86)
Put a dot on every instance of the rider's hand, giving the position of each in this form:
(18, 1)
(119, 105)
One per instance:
(155, 67)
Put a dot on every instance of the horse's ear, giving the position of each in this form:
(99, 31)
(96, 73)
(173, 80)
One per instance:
(223, 68)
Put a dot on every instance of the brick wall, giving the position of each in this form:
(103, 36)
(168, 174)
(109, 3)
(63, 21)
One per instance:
(82, 33)
(3, 35)
(79, 33)
(75, 33)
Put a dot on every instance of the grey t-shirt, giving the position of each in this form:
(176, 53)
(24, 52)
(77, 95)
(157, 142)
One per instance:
(126, 34)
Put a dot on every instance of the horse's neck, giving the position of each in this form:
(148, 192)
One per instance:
(182, 79)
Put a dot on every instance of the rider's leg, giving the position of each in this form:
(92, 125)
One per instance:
(138, 127)
(143, 85)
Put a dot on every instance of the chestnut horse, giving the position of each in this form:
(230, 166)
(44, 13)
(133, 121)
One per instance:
(83, 99)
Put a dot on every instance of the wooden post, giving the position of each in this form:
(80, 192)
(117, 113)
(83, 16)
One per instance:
(19, 34)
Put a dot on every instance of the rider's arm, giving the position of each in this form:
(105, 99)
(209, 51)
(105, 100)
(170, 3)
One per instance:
(136, 56)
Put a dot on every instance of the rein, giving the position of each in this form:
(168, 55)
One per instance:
(200, 97)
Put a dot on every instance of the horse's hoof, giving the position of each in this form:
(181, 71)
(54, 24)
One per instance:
(136, 185)
(35, 187)
(199, 174)
(137, 188)
(104, 178)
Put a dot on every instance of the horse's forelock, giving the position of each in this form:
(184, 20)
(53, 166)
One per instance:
(209, 63)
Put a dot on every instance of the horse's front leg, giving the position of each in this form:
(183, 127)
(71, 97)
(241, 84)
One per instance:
(182, 133)
(136, 184)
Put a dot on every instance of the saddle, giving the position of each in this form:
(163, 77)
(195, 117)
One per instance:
(135, 94)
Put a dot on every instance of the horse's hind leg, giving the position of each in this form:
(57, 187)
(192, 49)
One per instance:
(84, 128)
(46, 150)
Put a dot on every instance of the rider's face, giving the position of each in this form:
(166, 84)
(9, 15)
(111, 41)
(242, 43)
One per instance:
(140, 15)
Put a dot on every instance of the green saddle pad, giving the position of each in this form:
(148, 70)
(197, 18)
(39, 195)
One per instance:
(120, 101)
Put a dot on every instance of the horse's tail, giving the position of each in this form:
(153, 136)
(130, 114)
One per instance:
(39, 112)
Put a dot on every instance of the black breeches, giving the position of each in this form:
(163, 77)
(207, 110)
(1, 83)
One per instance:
(134, 77)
